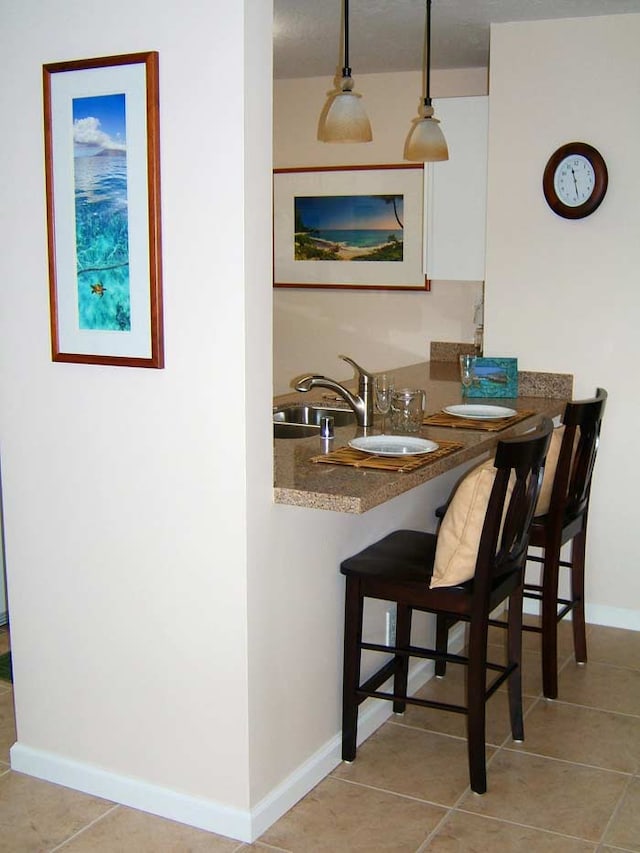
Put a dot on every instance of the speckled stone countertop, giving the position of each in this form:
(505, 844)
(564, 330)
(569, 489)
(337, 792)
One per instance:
(300, 482)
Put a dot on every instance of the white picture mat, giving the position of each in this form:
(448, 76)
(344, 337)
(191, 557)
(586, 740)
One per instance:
(408, 273)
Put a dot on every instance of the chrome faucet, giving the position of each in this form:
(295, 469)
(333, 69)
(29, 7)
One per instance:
(362, 403)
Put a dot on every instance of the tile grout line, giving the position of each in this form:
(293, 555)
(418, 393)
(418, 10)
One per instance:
(616, 809)
(630, 773)
(495, 819)
(92, 823)
(396, 793)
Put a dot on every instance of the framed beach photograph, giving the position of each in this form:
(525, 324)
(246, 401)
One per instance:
(102, 166)
(350, 227)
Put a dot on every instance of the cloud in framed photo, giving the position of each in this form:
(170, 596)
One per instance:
(88, 137)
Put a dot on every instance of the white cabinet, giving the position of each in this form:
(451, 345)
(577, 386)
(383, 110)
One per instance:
(456, 192)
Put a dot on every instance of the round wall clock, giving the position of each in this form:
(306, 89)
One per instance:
(575, 180)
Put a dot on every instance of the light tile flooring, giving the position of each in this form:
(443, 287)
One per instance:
(572, 787)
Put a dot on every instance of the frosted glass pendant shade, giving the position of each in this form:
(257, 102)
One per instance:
(426, 141)
(346, 119)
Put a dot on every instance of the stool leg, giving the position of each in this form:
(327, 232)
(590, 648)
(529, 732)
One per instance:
(578, 548)
(403, 640)
(514, 651)
(476, 707)
(443, 623)
(353, 611)
(550, 620)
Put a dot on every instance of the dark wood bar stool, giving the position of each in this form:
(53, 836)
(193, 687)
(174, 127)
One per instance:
(566, 521)
(561, 518)
(484, 569)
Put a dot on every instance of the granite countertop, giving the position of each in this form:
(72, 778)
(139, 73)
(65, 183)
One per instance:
(300, 482)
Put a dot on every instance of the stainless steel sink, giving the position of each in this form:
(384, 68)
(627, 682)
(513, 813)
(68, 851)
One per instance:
(304, 421)
(282, 430)
(313, 415)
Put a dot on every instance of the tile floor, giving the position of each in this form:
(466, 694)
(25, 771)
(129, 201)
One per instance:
(572, 787)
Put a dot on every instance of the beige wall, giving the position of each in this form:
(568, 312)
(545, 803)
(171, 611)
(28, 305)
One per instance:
(379, 329)
(125, 491)
(563, 295)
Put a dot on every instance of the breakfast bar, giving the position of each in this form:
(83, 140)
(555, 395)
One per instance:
(301, 480)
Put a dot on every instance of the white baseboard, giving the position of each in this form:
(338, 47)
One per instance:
(244, 825)
(136, 793)
(598, 614)
(614, 617)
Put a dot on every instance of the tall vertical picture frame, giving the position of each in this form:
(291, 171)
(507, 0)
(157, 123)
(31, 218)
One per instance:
(102, 166)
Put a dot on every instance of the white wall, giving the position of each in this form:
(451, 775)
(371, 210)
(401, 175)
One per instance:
(380, 329)
(125, 492)
(563, 295)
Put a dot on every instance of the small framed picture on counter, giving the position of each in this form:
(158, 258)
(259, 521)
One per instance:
(494, 377)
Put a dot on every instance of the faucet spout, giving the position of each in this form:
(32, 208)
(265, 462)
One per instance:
(361, 403)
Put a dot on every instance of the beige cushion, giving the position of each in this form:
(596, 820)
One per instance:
(544, 499)
(461, 528)
(459, 534)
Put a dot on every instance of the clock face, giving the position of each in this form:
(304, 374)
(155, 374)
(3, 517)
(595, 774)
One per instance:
(574, 180)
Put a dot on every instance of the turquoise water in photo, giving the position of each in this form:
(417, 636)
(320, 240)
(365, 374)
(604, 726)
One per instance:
(102, 241)
(357, 238)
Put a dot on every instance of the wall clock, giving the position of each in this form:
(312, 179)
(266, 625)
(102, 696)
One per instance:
(575, 180)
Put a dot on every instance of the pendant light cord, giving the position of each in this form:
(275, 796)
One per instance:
(346, 70)
(427, 97)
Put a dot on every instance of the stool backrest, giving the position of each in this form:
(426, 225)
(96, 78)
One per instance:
(505, 533)
(572, 483)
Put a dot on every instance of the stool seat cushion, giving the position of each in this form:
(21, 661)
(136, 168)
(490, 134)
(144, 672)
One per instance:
(404, 555)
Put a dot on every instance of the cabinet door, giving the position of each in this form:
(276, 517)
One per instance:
(456, 192)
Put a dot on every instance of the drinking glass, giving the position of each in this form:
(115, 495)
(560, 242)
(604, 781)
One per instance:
(407, 410)
(384, 385)
(467, 372)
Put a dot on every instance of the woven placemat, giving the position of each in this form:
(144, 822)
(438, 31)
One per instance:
(359, 459)
(444, 419)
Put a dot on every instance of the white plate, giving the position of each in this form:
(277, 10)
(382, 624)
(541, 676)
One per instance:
(393, 445)
(486, 413)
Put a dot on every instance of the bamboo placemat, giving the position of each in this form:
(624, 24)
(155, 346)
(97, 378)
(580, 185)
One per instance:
(359, 459)
(444, 419)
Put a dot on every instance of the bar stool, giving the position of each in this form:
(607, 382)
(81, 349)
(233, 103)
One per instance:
(561, 518)
(565, 521)
(422, 571)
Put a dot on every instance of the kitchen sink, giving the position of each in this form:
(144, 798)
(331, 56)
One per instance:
(282, 430)
(304, 421)
(313, 415)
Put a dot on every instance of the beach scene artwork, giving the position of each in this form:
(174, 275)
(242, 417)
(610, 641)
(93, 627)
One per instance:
(494, 377)
(101, 213)
(348, 228)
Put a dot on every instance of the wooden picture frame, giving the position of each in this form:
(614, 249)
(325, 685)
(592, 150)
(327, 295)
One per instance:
(355, 227)
(102, 166)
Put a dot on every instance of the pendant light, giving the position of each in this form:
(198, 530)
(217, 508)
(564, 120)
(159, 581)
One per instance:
(345, 119)
(426, 141)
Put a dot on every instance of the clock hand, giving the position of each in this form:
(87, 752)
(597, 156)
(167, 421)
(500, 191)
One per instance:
(575, 182)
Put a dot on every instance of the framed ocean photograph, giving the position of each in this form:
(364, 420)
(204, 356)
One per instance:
(494, 377)
(102, 166)
(350, 227)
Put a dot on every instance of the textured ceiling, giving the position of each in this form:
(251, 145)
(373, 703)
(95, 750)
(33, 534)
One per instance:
(388, 35)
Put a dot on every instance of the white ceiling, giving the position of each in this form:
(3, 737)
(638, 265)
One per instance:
(388, 35)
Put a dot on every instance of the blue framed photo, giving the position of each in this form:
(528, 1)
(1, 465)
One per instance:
(494, 377)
